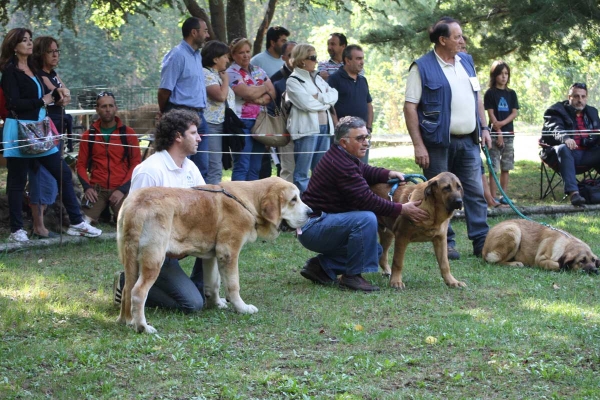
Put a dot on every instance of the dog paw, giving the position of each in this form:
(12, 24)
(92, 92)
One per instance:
(146, 329)
(121, 320)
(247, 309)
(456, 284)
(221, 303)
(397, 285)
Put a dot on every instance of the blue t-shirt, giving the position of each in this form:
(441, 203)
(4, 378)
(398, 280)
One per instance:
(182, 74)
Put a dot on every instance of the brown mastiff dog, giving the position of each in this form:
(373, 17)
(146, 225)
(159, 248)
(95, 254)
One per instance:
(441, 196)
(518, 242)
(212, 222)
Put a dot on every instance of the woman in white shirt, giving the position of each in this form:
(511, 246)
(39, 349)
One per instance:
(309, 122)
(215, 56)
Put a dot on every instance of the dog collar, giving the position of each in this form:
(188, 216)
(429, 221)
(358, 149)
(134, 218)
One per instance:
(226, 193)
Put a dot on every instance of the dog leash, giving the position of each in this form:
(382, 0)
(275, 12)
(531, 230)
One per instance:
(395, 182)
(226, 193)
(509, 201)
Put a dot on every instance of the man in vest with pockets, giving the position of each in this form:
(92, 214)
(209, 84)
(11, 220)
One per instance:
(108, 153)
(443, 111)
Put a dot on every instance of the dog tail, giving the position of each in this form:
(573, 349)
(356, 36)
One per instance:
(129, 230)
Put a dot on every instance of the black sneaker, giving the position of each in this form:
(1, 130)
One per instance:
(357, 282)
(313, 271)
(453, 254)
(118, 283)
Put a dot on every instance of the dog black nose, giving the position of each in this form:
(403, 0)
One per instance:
(457, 204)
(308, 210)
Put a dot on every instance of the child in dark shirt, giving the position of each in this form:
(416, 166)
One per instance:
(502, 106)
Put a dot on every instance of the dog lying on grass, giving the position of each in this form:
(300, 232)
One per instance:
(519, 242)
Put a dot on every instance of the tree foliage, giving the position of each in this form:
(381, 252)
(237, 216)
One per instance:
(497, 27)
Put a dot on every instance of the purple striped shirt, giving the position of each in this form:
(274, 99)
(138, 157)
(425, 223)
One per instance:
(340, 183)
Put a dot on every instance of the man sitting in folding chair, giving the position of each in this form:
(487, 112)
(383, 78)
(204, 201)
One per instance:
(571, 127)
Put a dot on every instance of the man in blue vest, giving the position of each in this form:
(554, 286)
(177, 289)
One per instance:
(442, 111)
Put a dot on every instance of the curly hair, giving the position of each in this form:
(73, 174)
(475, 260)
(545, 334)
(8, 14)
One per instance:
(40, 46)
(172, 123)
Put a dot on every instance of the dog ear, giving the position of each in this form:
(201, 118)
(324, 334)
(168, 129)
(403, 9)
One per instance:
(563, 263)
(270, 207)
(429, 188)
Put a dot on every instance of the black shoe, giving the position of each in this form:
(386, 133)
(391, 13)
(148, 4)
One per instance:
(357, 282)
(313, 271)
(577, 199)
(453, 254)
(477, 252)
(51, 235)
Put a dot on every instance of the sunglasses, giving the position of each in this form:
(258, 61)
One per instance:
(360, 138)
(102, 94)
(57, 52)
(312, 58)
(579, 86)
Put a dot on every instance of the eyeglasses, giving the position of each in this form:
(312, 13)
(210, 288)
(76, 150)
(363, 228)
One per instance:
(102, 94)
(312, 58)
(579, 86)
(57, 52)
(360, 138)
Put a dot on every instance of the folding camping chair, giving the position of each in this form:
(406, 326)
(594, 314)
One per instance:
(550, 178)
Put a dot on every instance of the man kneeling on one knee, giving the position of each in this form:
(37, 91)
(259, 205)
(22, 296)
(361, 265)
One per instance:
(343, 227)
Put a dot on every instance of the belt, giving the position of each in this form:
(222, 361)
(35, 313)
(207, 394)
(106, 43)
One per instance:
(468, 135)
(196, 109)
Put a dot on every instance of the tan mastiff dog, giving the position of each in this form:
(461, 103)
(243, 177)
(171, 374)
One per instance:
(212, 222)
(518, 242)
(441, 196)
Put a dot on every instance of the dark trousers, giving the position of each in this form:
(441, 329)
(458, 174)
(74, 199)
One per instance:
(174, 290)
(17, 178)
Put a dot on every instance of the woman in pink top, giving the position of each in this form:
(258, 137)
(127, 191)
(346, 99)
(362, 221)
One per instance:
(253, 89)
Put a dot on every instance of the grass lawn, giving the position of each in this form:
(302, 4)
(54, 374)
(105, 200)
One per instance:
(512, 333)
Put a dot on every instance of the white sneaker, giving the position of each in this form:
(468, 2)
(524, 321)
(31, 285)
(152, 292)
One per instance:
(18, 236)
(83, 229)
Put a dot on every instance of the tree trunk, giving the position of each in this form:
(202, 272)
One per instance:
(199, 12)
(217, 18)
(264, 26)
(236, 19)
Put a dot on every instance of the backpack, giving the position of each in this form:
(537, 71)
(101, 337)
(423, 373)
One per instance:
(92, 140)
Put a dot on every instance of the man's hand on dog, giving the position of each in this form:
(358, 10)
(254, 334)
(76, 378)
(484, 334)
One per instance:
(412, 211)
(396, 174)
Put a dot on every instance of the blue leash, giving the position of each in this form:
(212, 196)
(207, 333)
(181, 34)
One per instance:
(395, 182)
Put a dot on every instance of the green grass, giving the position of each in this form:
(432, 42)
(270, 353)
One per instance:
(512, 333)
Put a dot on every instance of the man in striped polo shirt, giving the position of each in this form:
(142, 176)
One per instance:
(343, 227)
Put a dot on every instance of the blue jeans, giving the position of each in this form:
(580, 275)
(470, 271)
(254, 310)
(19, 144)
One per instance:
(246, 166)
(215, 154)
(569, 160)
(174, 290)
(17, 177)
(463, 160)
(347, 242)
(308, 151)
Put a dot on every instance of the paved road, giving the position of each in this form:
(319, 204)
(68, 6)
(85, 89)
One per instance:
(526, 148)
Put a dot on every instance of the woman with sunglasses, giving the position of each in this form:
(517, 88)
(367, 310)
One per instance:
(309, 122)
(253, 89)
(26, 99)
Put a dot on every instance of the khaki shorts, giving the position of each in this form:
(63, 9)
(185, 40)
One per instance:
(95, 209)
(503, 159)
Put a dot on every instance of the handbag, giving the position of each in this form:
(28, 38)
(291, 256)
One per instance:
(36, 137)
(270, 129)
(590, 190)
